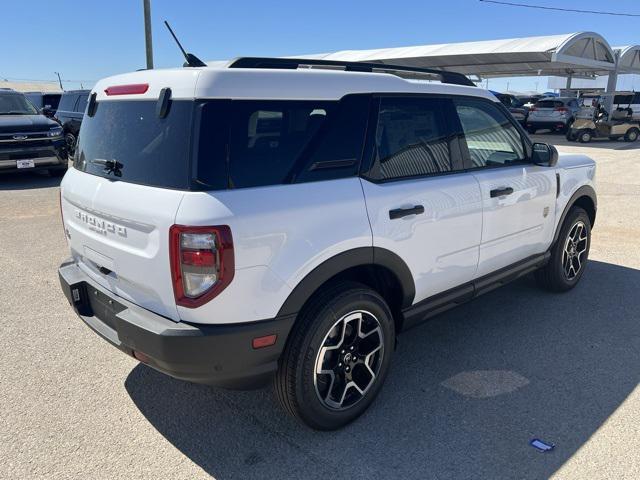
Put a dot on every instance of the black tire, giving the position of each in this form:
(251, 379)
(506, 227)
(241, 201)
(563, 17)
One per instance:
(585, 136)
(571, 136)
(631, 135)
(554, 276)
(532, 130)
(70, 140)
(296, 385)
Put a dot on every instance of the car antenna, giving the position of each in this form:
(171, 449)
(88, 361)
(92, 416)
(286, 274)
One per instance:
(192, 60)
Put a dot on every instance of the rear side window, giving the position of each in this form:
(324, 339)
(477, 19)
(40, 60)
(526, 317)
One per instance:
(81, 104)
(149, 150)
(412, 138)
(490, 137)
(259, 143)
(67, 102)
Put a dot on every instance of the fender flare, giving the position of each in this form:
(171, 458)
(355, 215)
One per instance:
(343, 261)
(583, 191)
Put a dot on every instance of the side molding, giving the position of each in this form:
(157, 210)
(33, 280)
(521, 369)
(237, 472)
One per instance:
(584, 191)
(343, 261)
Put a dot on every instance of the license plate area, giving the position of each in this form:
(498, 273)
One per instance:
(104, 307)
(28, 163)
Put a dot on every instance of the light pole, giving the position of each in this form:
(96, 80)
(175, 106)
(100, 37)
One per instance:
(59, 80)
(147, 32)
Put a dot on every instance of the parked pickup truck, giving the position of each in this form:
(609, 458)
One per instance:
(28, 140)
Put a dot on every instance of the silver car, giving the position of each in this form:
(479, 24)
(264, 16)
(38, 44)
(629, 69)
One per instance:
(553, 113)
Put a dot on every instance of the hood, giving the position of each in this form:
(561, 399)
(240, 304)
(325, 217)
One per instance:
(25, 123)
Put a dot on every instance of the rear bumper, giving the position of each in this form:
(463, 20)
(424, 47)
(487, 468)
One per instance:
(561, 122)
(220, 355)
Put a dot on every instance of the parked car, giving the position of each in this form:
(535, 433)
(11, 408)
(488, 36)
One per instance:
(46, 102)
(28, 140)
(553, 114)
(515, 106)
(264, 222)
(70, 114)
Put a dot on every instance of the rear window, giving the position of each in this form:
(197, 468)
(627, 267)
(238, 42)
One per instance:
(549, 104)
(151, 150)
(51, 100)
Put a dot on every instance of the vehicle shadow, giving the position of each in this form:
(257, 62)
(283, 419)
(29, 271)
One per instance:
(27, 181)
(466, 394)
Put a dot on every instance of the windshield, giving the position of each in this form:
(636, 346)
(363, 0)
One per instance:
(16, 104)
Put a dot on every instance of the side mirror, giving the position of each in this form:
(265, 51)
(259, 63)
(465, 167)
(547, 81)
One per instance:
(544, 154)
(46, 111)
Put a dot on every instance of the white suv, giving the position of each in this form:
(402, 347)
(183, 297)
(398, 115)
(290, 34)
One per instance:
(286, 219)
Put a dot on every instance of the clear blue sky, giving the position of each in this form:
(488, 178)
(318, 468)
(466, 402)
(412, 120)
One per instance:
(92, 39)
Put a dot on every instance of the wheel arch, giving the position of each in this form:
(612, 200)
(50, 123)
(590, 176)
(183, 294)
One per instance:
(584, 197)
(378, 268)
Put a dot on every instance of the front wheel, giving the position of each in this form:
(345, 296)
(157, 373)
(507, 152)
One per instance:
(337, 356)
(585, 136)
(569, 254)
(70, 141)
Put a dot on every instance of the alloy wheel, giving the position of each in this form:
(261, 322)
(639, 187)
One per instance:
(349, 360)
(575, 247)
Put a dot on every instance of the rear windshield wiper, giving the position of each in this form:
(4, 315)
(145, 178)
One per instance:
(110, 166)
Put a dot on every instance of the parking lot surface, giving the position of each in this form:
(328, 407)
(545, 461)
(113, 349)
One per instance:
(466, 393)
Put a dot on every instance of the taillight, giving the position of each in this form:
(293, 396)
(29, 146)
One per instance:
(532, 109)
(202, 263)
(561, 109)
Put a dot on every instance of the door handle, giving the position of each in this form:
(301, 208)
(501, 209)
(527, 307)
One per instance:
(500, 192)
(404, 212)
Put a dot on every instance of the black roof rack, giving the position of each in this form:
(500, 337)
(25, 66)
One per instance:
(294, 63)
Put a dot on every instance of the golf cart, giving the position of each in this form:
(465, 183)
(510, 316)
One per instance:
(592, 121)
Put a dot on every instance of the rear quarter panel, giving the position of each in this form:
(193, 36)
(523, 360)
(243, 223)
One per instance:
(280, 234)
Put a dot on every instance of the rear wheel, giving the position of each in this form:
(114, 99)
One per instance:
(569, 254)
(337, 356)
(585, 136)
(631, 135)
(531, 130)
(571, 135)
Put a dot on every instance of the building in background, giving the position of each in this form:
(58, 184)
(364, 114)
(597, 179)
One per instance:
(31, 86)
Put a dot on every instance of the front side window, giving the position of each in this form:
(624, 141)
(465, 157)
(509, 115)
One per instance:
(412, 138)
(490, 137)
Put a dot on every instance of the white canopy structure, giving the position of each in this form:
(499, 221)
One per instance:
(628, 58)
(572, 54)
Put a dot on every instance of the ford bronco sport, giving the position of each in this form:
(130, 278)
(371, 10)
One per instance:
(284, 219)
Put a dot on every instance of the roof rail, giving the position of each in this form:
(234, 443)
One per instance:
(399, 70)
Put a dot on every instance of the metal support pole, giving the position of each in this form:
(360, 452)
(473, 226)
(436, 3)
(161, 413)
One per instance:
(568, 85)
(612, 82)
(147, 32)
